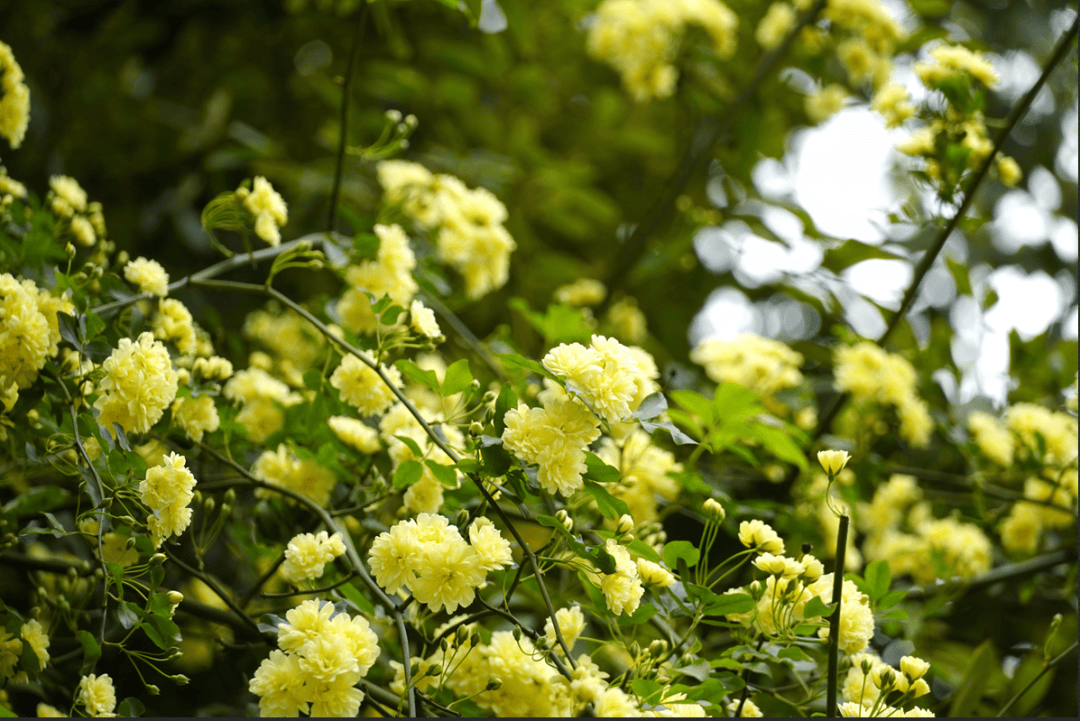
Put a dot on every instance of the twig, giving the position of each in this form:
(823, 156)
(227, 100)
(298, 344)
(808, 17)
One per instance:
(262, 580)
(335, 192)
(1063, 47)
(708, 131)
(209, 581)
(1053, 662)
(1001, 573)
(350, 576)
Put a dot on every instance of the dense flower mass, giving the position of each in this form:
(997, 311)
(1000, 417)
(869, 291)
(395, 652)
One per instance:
(322, 655)
(167, 491)
(268, 207)
(148, 276)
(469, 223)
(307, 554)
(303, 475)
(24, 333)
(763, 365)
(429, 557)
(640, 39)
(361, 387)
(608, 376)
(874, 376)
(14, 98)
(388, 274)
(138, 386)
(622, 589)
(856, 617)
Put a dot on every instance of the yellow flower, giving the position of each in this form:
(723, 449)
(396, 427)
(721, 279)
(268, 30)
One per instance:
(97, 694)
(833, 461)
(173, 322)
(622, 589)
(653, 574)
(167, 490)
(148, 275)
(138, 386)
(24, 333)
(491, 547)
(449, 575)
(761, 536)
(749, 708)
(422, 320)
(361, 387)
(306, 476)
(307, 555)
(582, 292)
(760, 364)
(33, 633)
(196, 416)
(825, 103)
(714, 509)
(10, 648)
(856, 618)
(914, 668)
(278, 682)
(777, 23)
(893, 102)
(355, 433)
(269, 210)
(571, 625)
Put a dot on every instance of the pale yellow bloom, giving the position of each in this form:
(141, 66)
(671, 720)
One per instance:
(778, 21)
(761, 536)
(148, 276)
(824, 103)
(97, 695)
(833, 461)
(14, 98)
(361, 387)
(422, 320)
(138, 386)
(307, 555)
(582, 292)
(269, 209)
(34, 634)
(355, 433)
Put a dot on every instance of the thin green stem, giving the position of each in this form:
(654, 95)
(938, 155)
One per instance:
(354, 50)
(1053, 662)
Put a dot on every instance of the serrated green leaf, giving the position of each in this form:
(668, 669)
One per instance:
(597, 470)
(513, 360)
(892, 598)
(644, 550)
(651, 407)
(37, 500)
(352, 593)
(412, 445)
(126, 614)
(417, 374)
(793, 653)
(732, 400)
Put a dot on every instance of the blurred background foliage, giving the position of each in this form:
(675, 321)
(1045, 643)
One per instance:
(156, 107)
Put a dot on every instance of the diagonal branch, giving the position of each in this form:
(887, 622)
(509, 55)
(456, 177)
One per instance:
(706, 134)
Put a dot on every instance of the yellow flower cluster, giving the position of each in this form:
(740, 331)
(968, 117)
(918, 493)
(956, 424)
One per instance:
(868, 52)
(262, 397)
(611, 378)
(627, 320)
(1058, 430)
(167, 491)
(307, 554)
(213, 368)
(29, 331)
(775, 25)
(148, 276)
(10, 648)
(33, 633)
(429, 557)
(321, 658)
(294, 342)
(623, 589)
(303, 475)
(97, 695)
(870, 678)
(426, 495)
(173, 323)
(471, 236)
(554, 437)
(422, 320)
(582, 292)
(874, 376)
(14, 100)
(993, 438)
(640, 39)
(268, 207)
(644, 469)
(856, 618)
(763, 365)
(1023, 528)
(138, 386)
(389, 274)
(68, 200)
(893, 103)
(825, 102)
(355, 433)
(953, 60)
(361, 387)
(961, 548)
(196, 416)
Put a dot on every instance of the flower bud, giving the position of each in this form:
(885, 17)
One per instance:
(714, 509)
(154, 690)
(625, 524)
(914, 668)
(658, 648)
(156, 560)
(181, 679)
(564, 518)
(175, 597)
(493, 685)
(435, 670)
(833, 461)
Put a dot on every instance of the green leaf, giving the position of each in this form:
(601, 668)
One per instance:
(457, 378)
(644, 550)
(412, 445)
(496, 460)
(779, 443)
(970, 691)
(676, 435)
(651, 407)
(507, 400)
(892, 598)
(127, 615)
(816, 607)
(131, 707)
(447, 475)
(69, 329)
(691, 481)
(597, 470)
(513, 360)
(645, 688)
(641, 615)
(722, 604)
(694, 403)
(352, 593)
(54, 528)
(37, 500)
(116, 572)
(313, 379)
(161, 631)
(851, 252)
(610, 506)
(408, 473)
(685, 550)
(734, 401)
(5, 712)
(878, 577)
(960, 276)
(91, 650)
(794, 653)
(366, 245)
(390, 315)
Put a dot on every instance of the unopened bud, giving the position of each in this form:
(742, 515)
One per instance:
(658, 648)
(517, 633)
(69, 250)
(230, 497)
(154, 690)
(394, 116)
(475, 428)
(714, 509)
(156, 560)
(625, 524)
(181, 679)
(564, 518)
(435, 670)
(175, 597)
(461, 635)
(493, 685)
